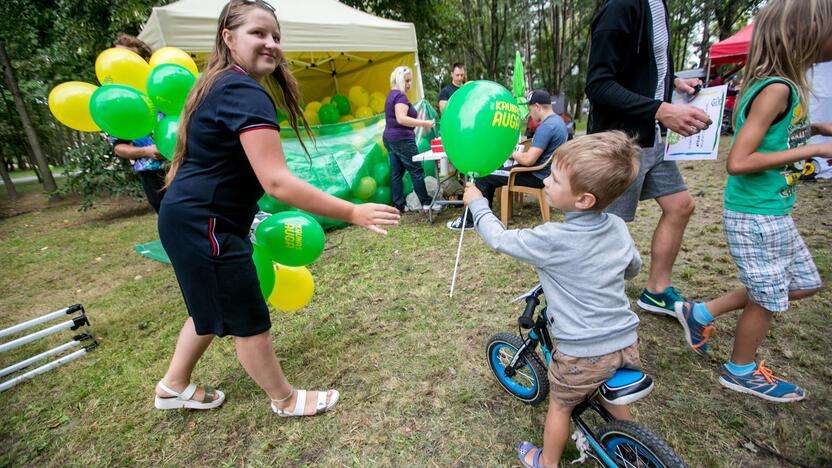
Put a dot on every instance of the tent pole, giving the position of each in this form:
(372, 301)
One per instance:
(707, 71)
(419, 75)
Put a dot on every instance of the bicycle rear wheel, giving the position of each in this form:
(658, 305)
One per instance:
(631, 445)
(528, 383)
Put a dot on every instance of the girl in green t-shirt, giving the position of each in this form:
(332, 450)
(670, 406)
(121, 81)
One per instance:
(765, 163)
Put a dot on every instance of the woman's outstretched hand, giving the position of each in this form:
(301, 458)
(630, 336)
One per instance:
(373, 215)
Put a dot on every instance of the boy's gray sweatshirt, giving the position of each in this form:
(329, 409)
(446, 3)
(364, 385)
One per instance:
(582, 265)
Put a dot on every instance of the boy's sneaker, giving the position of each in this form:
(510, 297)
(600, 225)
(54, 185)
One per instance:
(663, 303)
(696, 333)
(459, 224)
(434, 208)
(762, 383)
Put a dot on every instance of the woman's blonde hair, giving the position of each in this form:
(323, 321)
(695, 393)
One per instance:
(788, 38)
(233, 15)
(397, 77)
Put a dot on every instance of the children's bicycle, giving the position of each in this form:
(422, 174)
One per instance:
(614, 443)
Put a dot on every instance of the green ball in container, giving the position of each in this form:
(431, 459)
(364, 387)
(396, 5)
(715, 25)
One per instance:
(342, 103)
(380, 172)
(328, 114)
(382, 196)
(364, 188)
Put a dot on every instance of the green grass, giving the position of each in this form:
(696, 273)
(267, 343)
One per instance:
(408, 360)
(31, 172)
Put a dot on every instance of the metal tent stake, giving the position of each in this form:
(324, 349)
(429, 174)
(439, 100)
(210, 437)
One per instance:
(76, 340)
(73, 324)
(43, 318)
(51, 365)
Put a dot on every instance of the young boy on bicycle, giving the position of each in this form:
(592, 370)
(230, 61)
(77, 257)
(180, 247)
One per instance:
(582, 263)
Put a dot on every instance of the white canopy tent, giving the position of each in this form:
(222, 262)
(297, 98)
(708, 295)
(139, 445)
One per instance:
(330, 46)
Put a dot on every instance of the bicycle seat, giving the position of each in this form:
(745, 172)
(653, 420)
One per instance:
(626, 386)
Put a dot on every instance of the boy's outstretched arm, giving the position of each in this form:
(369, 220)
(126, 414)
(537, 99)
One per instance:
(634, 267)
(531, 246)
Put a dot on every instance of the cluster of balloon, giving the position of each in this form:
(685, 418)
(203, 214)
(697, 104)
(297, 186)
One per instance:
(131, 95)
(356, 104)
(286, 242)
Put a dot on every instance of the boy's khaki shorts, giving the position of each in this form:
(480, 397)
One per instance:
(571, 379)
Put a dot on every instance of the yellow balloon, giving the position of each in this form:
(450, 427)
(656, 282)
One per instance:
(293, 288)
(122, 66)
(70, 104)
(311, 117)
(377, 104)
(364, 112)
(313, 106)
(346, 118)
(173, 55)
(326, 100)
(358, 97)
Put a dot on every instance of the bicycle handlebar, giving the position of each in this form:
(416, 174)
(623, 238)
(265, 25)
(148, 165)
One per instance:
(525, 321)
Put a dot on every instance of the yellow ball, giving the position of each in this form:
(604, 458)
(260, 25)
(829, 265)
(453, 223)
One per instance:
(311, 117)
(326, 100)
(346, 118)
(358, 97)
(377, 104)
(363, 112)
(293, 288)
(313, 106)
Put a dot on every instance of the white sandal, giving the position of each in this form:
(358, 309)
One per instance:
(300, 404)
(212, 398)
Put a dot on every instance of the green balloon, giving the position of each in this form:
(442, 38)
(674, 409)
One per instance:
(382, 196)
(281, 115)
(364, 188)
(341, 103)
(422, 144)
(168, 86)
(271, 205)
(291, 238)
(265, 270)
(381, 173)
(165, 135)
(122, 111)
(480, 127)
(375, 156)
(429, 167)
(328, 114)
(407, 184)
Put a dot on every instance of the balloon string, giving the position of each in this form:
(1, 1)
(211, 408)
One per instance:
(459, 250)
(459, 247)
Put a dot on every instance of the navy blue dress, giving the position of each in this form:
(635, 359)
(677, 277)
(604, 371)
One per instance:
(206, 214)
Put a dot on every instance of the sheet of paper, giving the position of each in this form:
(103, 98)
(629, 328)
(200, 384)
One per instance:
(705, 144)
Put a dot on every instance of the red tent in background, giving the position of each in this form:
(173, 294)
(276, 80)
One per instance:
(732, 50)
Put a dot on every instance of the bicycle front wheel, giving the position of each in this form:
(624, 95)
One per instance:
(631, 445)
(528, 383)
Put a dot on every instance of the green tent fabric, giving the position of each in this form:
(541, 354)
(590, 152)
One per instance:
(154, 251)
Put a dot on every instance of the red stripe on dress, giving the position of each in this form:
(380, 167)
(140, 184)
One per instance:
(256, 127)
(215, 248)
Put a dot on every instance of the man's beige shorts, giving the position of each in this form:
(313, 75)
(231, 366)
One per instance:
(571, 379)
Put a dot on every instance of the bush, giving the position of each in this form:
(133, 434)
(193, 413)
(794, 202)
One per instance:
(93, 171)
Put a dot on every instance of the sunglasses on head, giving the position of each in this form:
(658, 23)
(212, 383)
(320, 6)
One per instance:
(259, 3)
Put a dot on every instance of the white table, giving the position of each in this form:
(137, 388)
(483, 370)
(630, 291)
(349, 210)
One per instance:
(443, 177)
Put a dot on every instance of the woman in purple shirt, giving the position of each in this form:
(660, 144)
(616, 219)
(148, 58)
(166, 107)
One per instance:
(400, 140)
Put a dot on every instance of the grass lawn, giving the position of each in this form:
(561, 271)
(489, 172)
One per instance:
(31, 172)
(409, 361)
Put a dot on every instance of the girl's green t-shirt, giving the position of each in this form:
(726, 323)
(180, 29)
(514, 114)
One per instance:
(770, 192)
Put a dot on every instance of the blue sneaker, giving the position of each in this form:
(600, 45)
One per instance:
(696, 333)
(663, 303)
(762, 383)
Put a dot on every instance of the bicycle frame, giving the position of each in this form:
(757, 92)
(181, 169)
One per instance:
(539, 336)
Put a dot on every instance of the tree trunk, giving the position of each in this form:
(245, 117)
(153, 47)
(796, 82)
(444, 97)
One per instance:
(7, 180)
(48, 181)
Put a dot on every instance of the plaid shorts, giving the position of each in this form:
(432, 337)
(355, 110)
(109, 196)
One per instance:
(771, 256)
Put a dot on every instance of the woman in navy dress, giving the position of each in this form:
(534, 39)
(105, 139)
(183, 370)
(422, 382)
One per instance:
(228, 152)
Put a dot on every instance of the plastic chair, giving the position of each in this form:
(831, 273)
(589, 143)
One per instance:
(508, 191)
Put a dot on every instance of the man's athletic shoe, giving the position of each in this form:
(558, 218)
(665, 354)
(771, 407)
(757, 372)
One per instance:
(696, 333)
(762, 383)
(663, 303)
(459, 224)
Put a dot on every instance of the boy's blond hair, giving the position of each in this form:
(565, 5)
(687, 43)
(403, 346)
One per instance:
(603, 164)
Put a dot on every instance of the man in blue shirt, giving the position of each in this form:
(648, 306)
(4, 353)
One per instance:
(550, 134)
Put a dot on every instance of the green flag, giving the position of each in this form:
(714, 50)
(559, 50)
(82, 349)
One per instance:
(518, 85)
